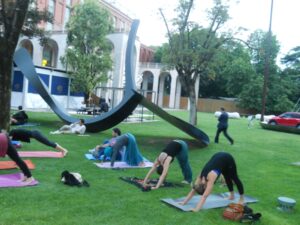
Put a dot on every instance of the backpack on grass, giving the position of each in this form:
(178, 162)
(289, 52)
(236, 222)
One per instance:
(73, 179)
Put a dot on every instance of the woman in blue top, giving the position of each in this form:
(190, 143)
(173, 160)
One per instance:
(220, 163)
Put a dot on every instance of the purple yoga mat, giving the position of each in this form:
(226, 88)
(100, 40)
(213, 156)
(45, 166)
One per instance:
(40, 154)
(14, 180)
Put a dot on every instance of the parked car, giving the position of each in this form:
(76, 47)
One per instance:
(291, 119)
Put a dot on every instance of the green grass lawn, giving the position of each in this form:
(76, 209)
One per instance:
(262, 158)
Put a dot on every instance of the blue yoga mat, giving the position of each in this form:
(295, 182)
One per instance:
(213, 201)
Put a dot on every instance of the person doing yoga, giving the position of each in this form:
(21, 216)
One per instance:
(6, 148)
(220, 163)
(132, 155)
(25, 135)
(175, 148)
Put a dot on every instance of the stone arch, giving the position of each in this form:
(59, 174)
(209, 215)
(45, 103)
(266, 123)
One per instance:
(147, 85)
(50, 54)
(27, 44)
(164, 88)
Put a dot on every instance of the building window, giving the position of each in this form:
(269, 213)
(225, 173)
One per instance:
(28, 46)
(51, 9)
(47, 56)
(67, 12)
(50, 52)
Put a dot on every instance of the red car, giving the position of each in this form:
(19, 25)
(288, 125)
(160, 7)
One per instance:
(291, 119)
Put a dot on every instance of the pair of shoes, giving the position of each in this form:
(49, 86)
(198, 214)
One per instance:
(185, 182)
(92, 150)
(247, 218)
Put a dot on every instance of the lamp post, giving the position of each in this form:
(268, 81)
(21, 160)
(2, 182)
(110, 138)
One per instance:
(267, 66)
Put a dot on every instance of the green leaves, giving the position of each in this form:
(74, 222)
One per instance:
(88, 53)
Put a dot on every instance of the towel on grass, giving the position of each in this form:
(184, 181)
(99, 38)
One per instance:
(4, 165)
(151, 183)
(40, 154)
(213, 201)
(14, 180)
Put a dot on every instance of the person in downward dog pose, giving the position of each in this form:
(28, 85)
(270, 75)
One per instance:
(220, 163)
(6, 148)
(175, 148)
(26, 135)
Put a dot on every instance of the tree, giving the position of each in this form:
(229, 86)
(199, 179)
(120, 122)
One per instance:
(192, 47)
(17, 17)
(88, 53)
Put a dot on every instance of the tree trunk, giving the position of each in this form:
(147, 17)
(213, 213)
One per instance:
(6, 63)
(193, 106)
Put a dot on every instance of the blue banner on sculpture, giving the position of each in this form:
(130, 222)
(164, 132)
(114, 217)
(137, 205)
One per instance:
(18, 80)
(44, 78)
(59, 85)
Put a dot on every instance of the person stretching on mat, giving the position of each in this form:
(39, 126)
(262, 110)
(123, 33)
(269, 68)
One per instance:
(105, 148)
(25, 135)
(175, 148)
(132, 155)
(6, 148)
(220, 163)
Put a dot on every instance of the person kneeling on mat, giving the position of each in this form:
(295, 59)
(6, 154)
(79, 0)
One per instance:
(132, 155)
(175, 148)
(6, 148)
(25, 135)
(220, 163)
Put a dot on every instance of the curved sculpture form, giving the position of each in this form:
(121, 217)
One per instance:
(116, 115)
(287, 129)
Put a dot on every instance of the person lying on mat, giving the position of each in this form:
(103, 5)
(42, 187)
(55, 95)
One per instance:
(220, 163)
(132, 155)
(6, 148)
(25, 135)
(175, 148)
(73, 128)
(105, 149)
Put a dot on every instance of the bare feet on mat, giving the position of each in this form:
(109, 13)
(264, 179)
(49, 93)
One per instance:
(27, 180)
(63, 150)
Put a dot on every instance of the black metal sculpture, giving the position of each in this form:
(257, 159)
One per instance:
(116, 115)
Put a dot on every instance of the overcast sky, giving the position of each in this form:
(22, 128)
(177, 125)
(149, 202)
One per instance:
(250, 14)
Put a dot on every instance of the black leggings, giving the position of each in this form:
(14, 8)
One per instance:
(39, 137)
(231, 175)
(13, 154)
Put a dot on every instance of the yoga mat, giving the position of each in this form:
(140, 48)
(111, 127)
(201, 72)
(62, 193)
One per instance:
(123, 165)
(14, 180)
(28, 125)
(89, 156)
(12, 165)
(40, 154)
(213, 201)
(17, 144)
(151, 183)
(295, 163)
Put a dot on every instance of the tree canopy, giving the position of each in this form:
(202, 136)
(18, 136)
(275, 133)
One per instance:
(88, 55)
(16, 18)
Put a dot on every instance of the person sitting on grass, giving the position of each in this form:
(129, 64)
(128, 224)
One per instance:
(105, 150)
(19, 118)
(74, 128)
(220, 163)
(132, 155)
(6, 148)
(25, 135)
(178, 149)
